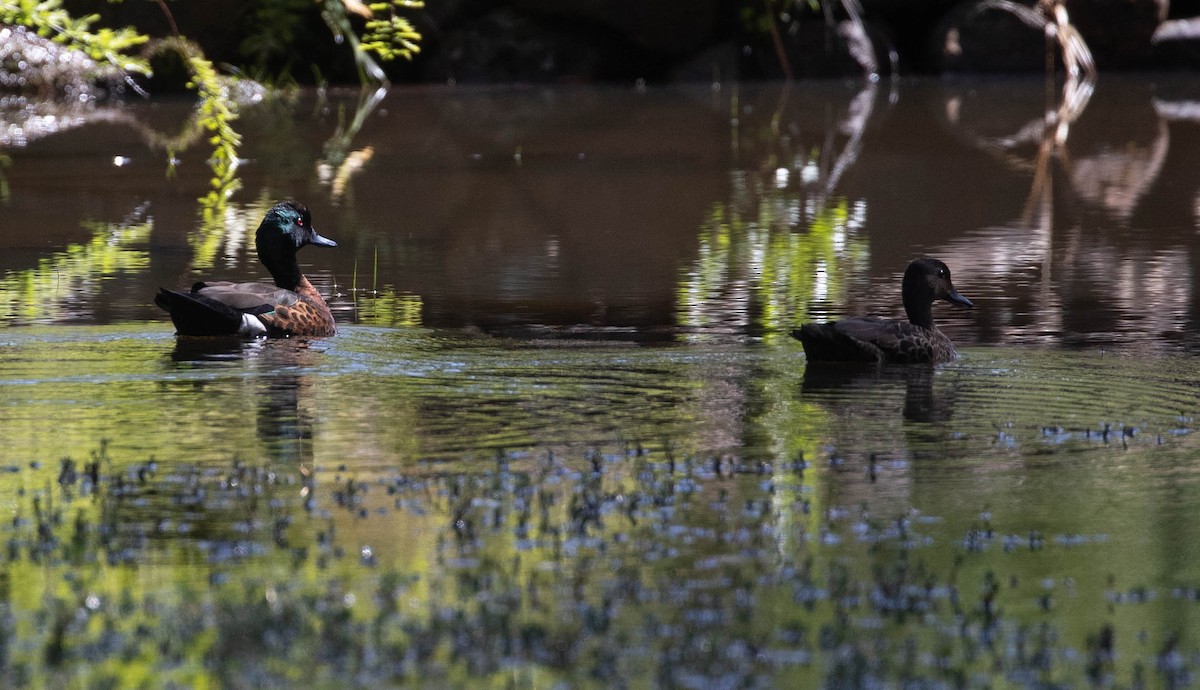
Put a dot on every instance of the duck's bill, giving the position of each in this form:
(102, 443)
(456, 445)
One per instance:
(321, 241)
(959, 299)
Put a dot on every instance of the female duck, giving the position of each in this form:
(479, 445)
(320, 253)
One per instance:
(292, 306)
(873, 339)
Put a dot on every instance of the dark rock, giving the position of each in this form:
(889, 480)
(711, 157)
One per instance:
(505, 45)
(670, 27)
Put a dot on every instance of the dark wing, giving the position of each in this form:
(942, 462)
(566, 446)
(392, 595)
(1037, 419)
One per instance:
(898, 341)
(871, 339)
(252, 298)
(848, 340)
(884, 334)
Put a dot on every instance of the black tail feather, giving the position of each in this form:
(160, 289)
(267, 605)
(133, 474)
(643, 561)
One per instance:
(198, 315)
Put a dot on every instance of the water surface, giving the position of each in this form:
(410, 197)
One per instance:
(562, 434)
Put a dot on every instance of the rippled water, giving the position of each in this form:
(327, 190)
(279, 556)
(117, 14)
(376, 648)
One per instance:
(562, 434)
(1065, 477)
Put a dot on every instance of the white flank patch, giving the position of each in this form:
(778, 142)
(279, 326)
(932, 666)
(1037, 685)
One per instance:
(252, 326)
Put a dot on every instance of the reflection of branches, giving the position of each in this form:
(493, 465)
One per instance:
(44, 293)
(1075, 95)
(229, 230)
(854, 125)
(1050, 132)
(1051, 17)
(785, 242)
(340, 162)
(832, 162)
(23, 120)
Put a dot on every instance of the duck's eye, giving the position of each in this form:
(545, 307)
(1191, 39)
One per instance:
(300, 222)
(941, 273)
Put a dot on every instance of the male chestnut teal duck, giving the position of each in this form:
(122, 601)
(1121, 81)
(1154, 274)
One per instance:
(292, 306)
(873, 339)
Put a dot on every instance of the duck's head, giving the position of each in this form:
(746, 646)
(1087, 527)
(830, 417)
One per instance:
(925, 282)
(288, 225)
(286, 228)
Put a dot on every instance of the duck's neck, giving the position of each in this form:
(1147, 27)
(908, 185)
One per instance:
(286, 272)
(920, 312)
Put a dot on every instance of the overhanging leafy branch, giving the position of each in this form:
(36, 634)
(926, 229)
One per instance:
(387, 34)
(50, 20)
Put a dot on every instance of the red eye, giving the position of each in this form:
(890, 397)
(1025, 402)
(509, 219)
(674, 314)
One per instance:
(300, 221)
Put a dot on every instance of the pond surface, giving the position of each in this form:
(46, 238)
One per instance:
(563, 437)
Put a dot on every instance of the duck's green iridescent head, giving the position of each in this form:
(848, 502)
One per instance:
(292, 221)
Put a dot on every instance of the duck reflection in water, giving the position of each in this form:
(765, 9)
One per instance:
(844, 388)
(283, 392)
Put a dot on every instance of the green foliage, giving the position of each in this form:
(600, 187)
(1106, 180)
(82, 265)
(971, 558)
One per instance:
(274, 27)
(216, 114)
(391, 36)
(387, 34)
(50, 20)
